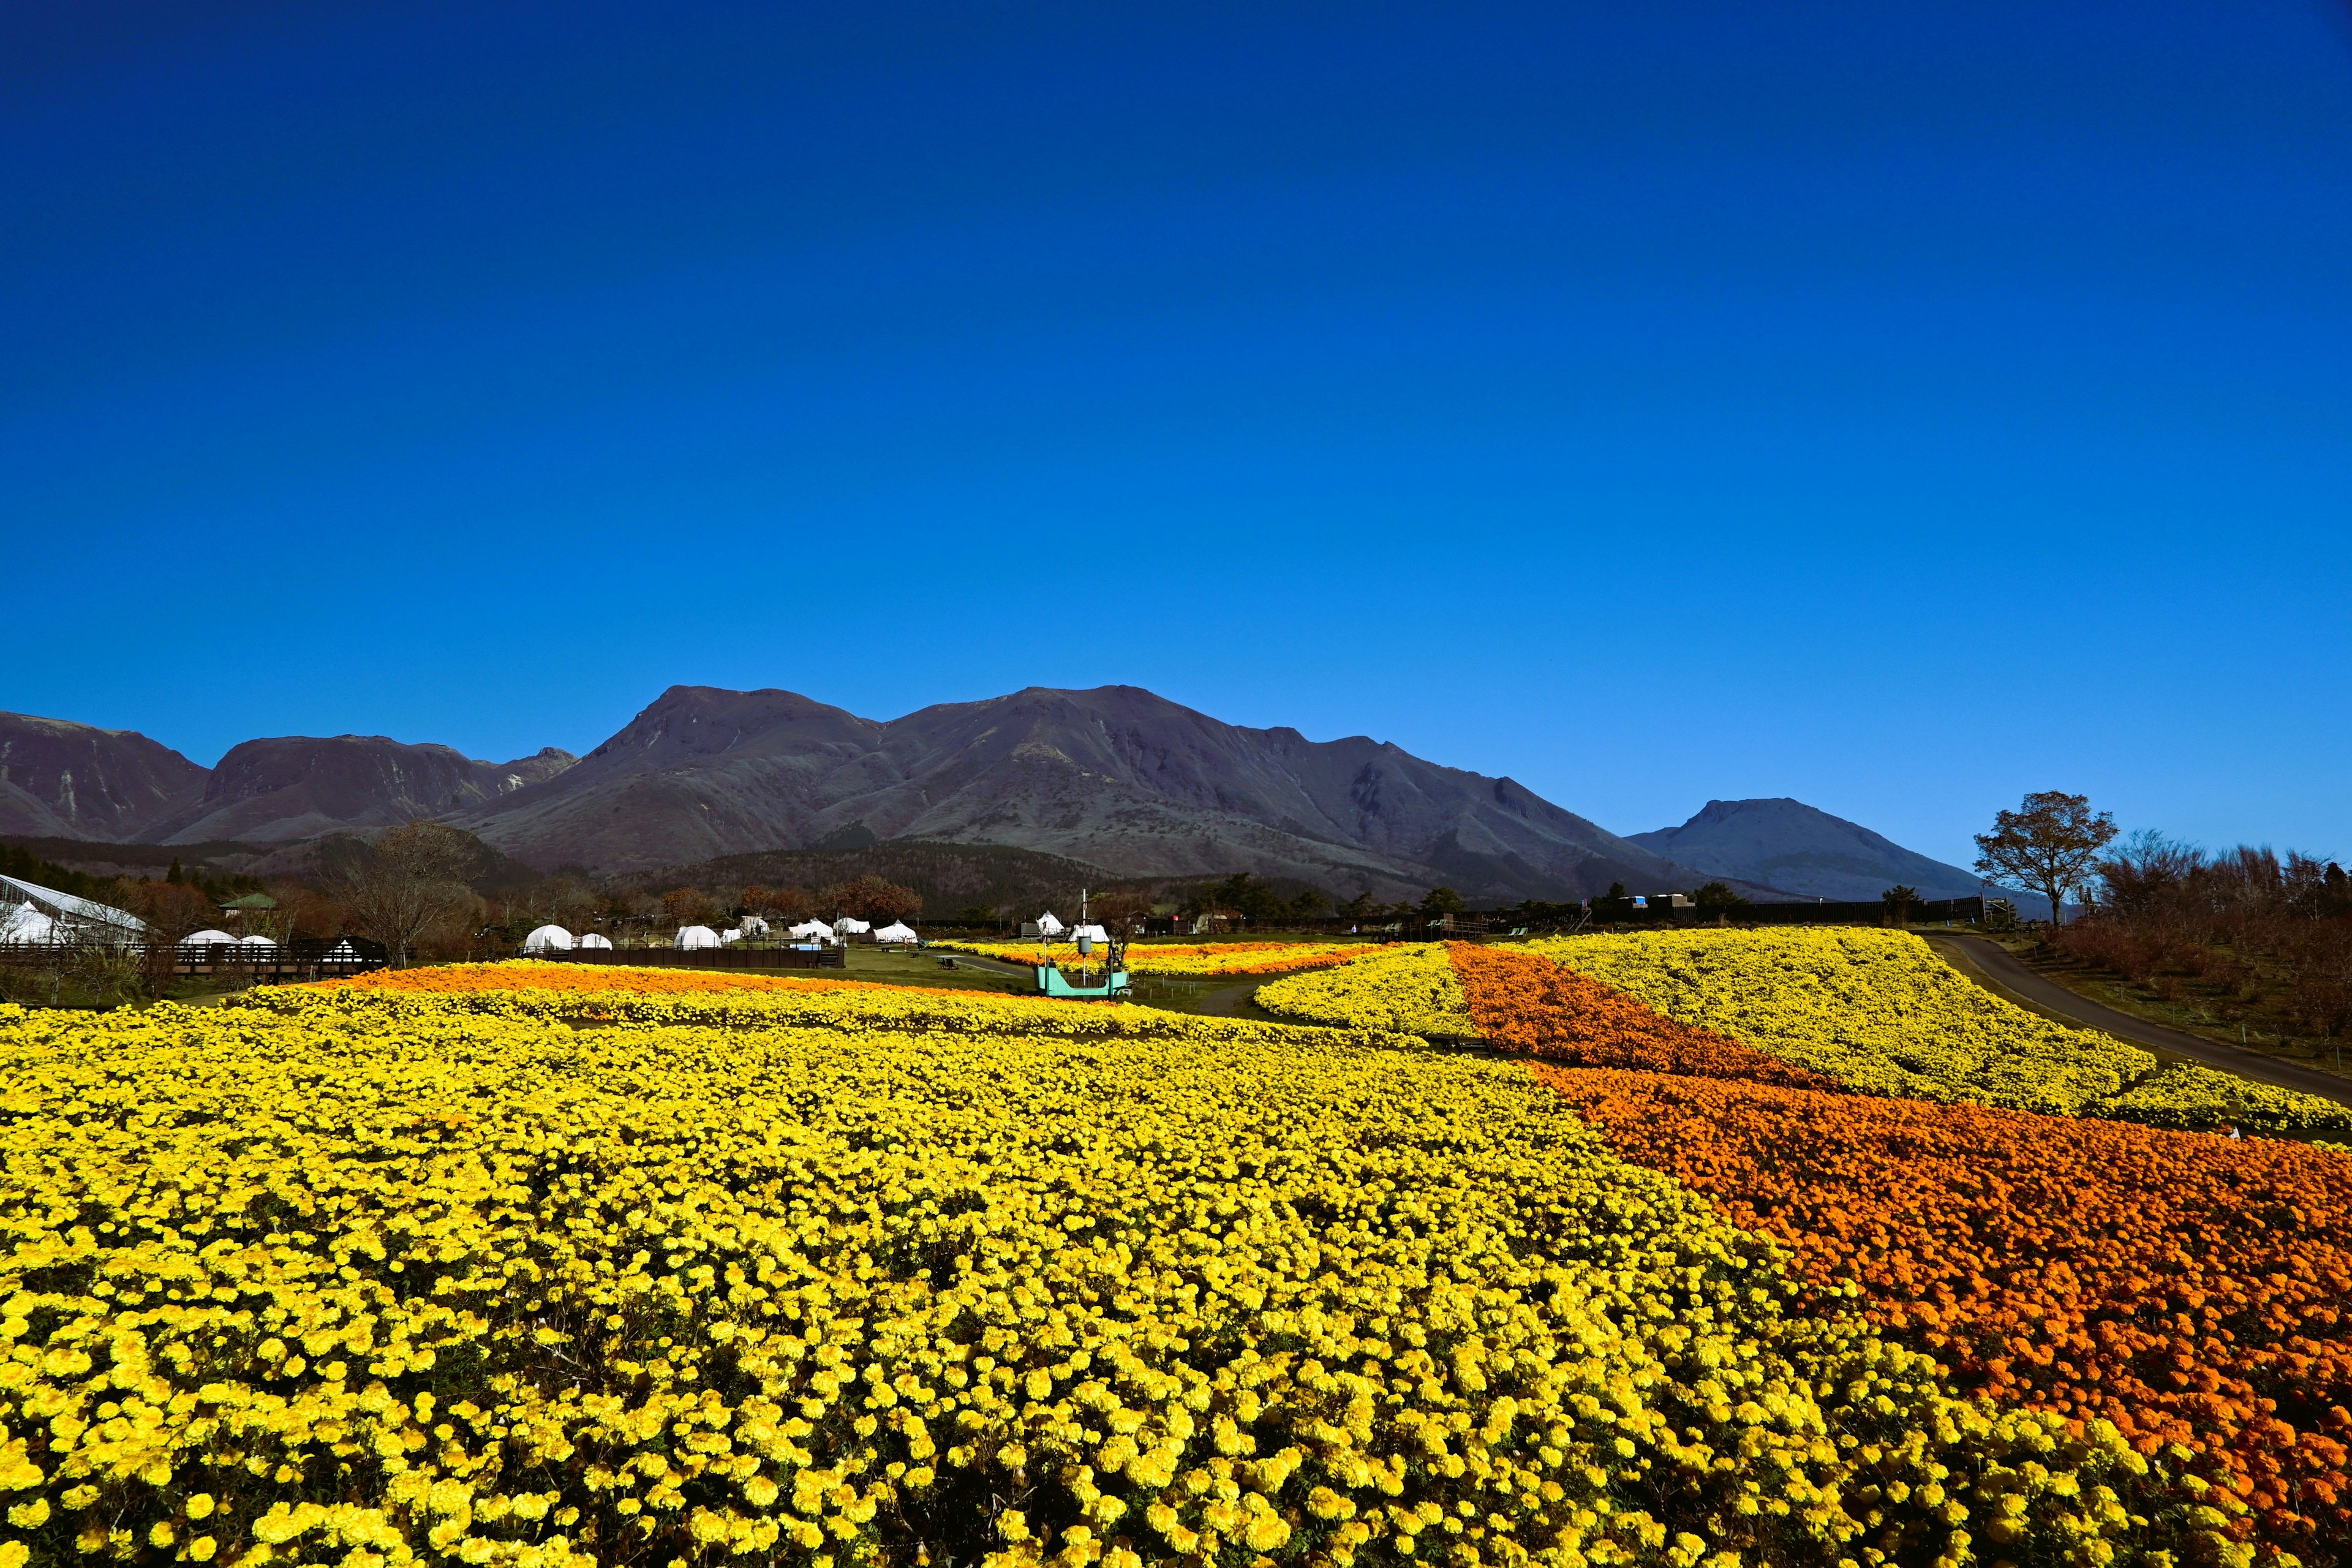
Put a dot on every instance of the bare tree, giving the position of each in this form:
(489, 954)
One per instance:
(173, 912)
(410, 881)
(2050, 844)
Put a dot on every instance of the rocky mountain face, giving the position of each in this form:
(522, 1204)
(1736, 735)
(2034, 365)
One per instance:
(1787, 844)
(1114, 776)
(76, 781)
(67, 781)
(297, 786)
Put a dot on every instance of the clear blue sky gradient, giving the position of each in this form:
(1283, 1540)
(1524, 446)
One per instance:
(1900, 407)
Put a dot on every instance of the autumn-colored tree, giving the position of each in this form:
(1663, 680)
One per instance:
(683, 907)
(1122, 914)
(2050, 844)
(871, 898)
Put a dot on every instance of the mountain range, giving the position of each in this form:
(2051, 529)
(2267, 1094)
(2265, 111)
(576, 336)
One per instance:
(1113, 778)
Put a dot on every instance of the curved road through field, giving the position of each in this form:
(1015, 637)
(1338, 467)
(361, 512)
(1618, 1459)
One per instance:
(2000, 971)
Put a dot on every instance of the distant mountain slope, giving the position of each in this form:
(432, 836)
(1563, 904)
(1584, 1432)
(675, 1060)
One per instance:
(298, 786)
(1115, 777)
(75, 781)
(1789, 845)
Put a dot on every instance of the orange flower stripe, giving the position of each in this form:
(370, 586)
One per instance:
(1525, 1002)
(2188, 1288)
(454, 979)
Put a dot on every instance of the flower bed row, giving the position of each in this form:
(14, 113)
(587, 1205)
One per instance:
(532, 974)
(1181, 959)
(1879, 1011)
(388, 1279)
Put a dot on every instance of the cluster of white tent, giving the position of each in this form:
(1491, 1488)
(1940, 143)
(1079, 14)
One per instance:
(201, 944)
(1046, 925)
(555, 938)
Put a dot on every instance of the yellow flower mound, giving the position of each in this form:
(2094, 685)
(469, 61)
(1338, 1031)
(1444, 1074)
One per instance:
(420, 1282)
(1879, 1010)
(1876, 1008)
(1412, 989)
(1180, 960)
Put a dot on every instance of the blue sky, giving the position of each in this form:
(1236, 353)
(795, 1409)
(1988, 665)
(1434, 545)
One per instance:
(1898, 407)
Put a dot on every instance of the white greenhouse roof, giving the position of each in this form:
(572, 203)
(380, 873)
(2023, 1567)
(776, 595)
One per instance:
(70, 907)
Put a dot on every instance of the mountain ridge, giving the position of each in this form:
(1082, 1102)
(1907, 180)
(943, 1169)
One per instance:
(1114, 776)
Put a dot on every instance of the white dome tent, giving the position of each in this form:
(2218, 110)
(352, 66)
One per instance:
(897, 931)
(808, 930)
(255, 942)
(548, 939)
(596, 939)
(198, 940)
(23, 923)
(694, 936)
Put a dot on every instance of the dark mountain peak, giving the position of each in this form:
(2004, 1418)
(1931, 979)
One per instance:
(1786, 844)
(703, 720)
(66, 780)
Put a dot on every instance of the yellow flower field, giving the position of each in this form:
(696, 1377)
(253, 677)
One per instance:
(1410, 988)
(866, 1276)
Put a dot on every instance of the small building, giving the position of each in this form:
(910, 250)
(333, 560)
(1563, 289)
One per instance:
(251, 904)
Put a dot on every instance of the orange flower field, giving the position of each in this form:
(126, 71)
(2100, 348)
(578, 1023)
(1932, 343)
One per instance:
(2189, 1288)
(459, 979)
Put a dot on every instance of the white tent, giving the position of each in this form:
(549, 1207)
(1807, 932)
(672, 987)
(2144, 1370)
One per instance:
(849, 926)
(342, 951)
(754, 926)
(807, 929)
(897, 931)
(548, 939)
(23, 922)
(207, 939)
(254, 942)
(732, 933)
(593, 938)
(1096, 932)
(694, 936)
(1048, 926)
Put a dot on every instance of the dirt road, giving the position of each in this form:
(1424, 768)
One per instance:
(2003, 974)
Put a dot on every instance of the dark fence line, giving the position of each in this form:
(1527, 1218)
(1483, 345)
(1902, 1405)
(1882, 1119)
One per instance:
(703, 957)
(306, 959)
